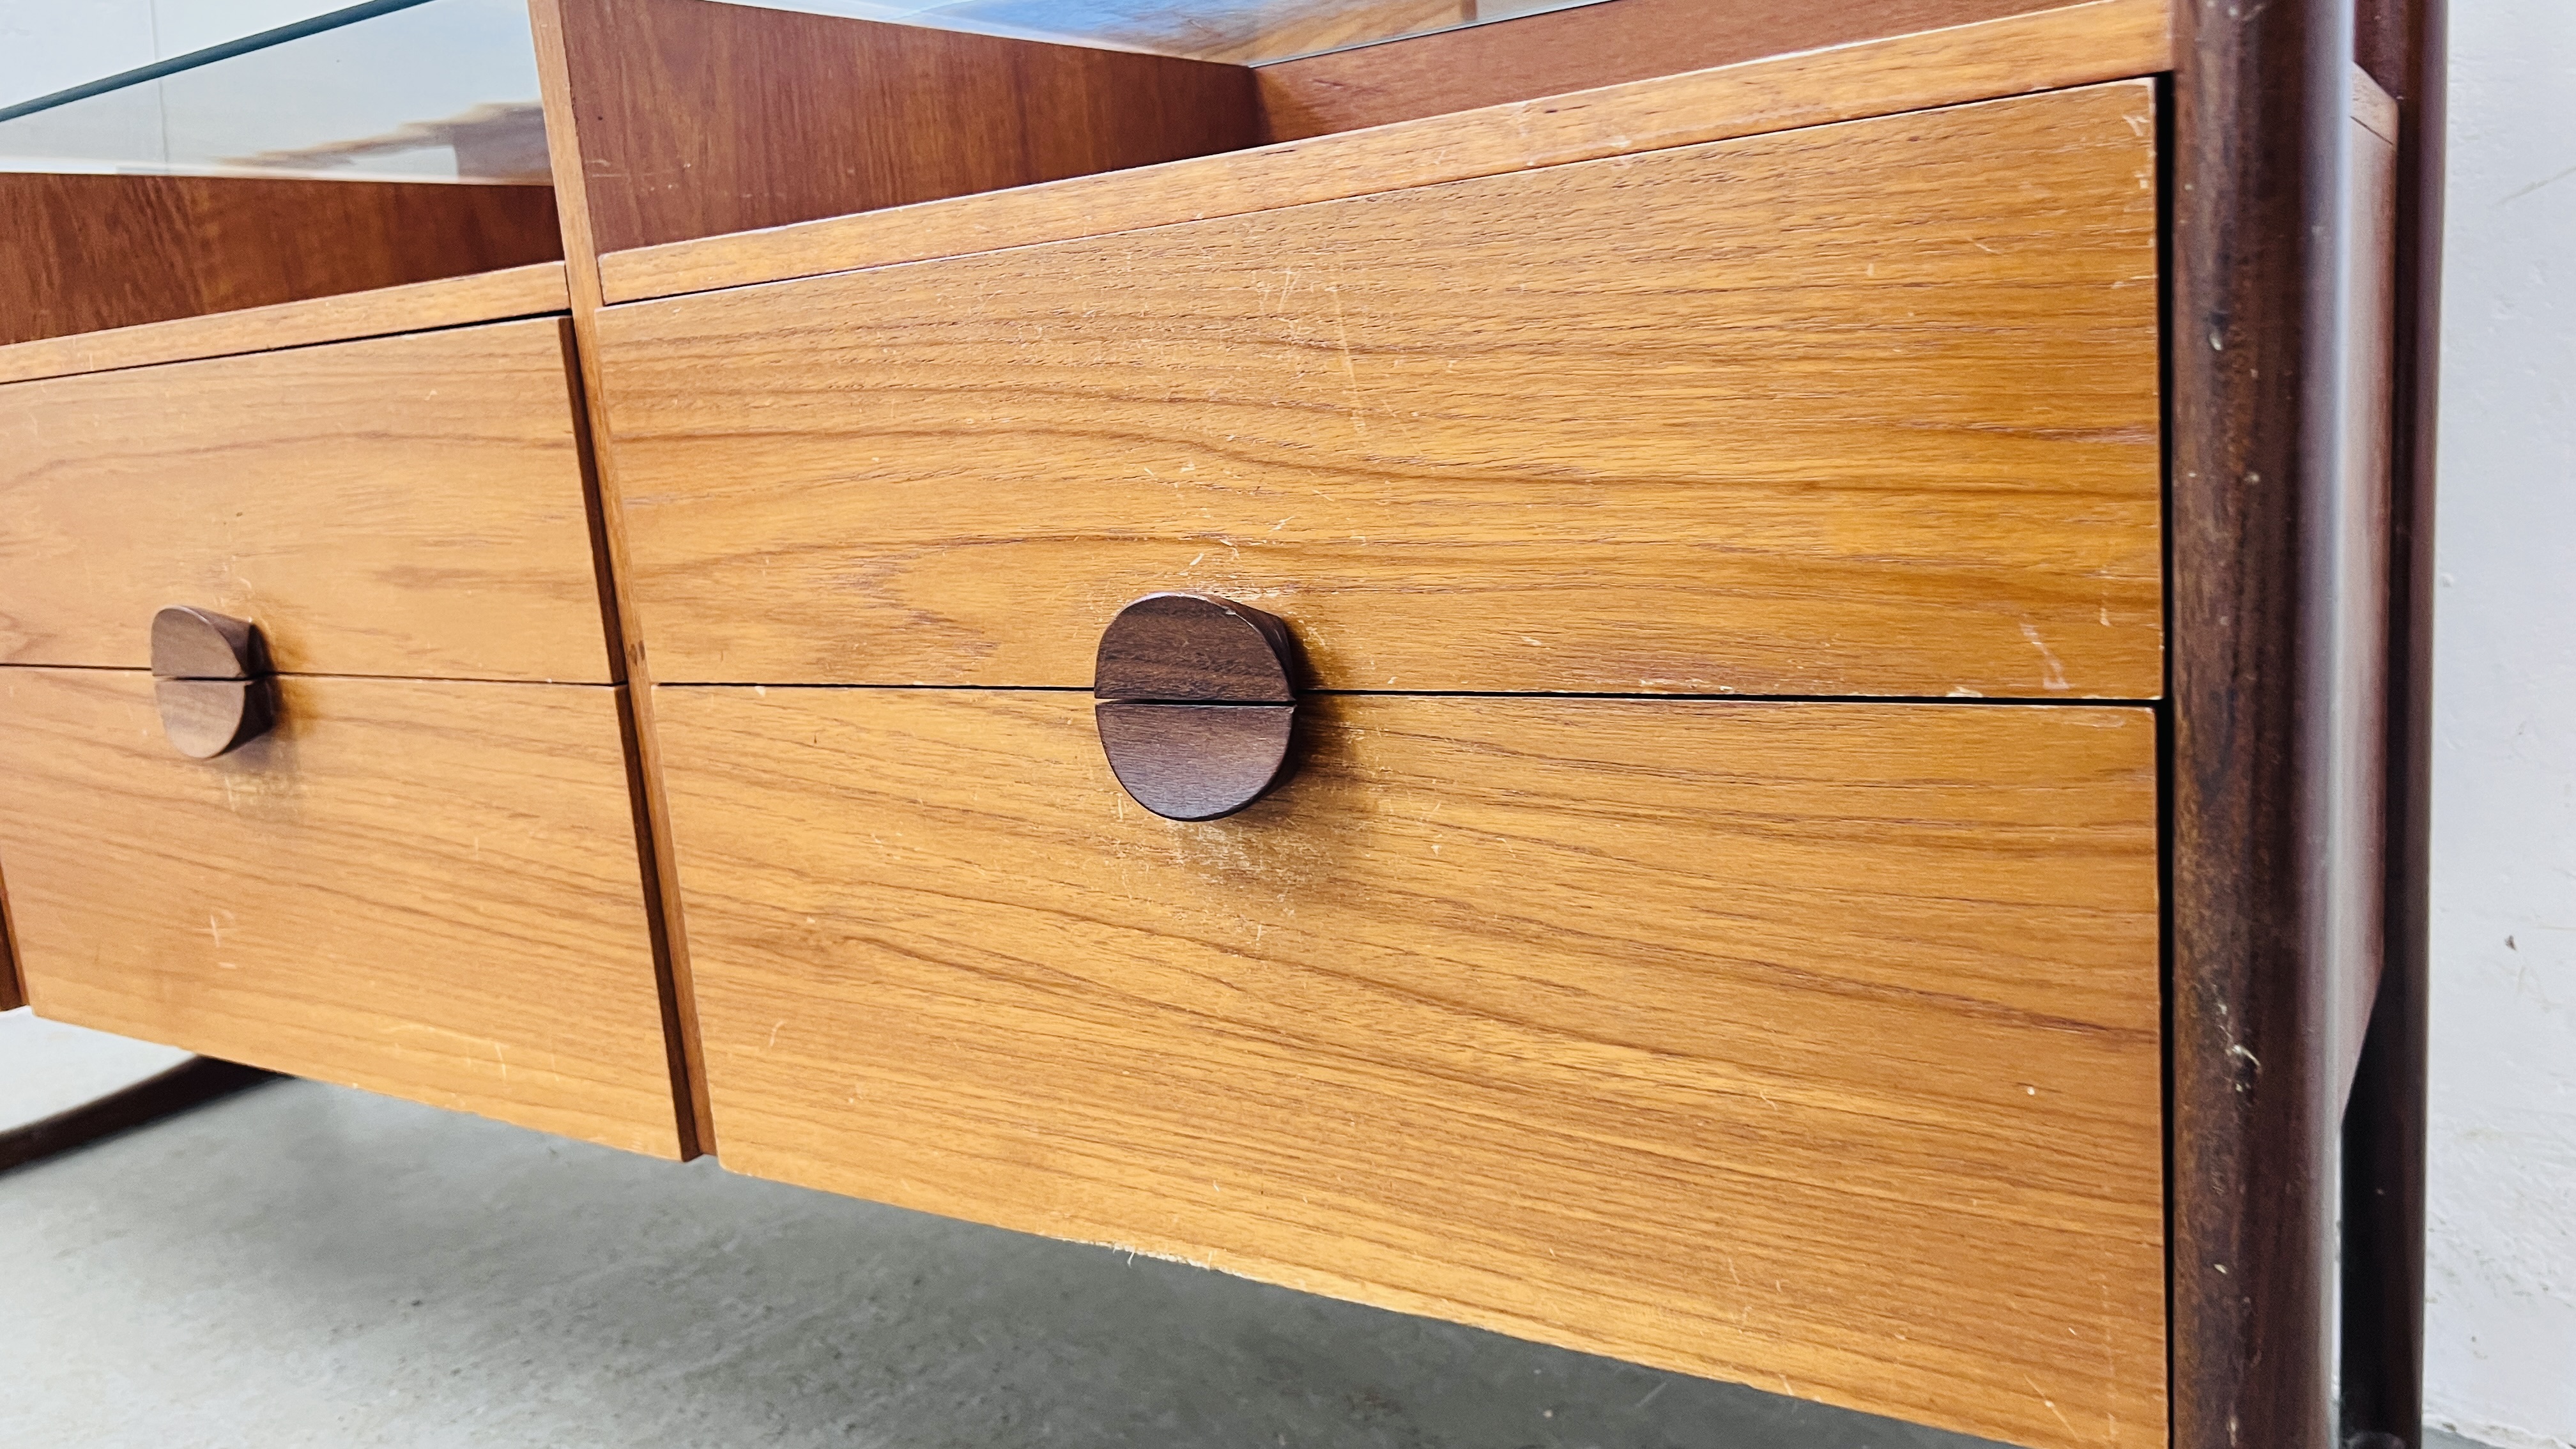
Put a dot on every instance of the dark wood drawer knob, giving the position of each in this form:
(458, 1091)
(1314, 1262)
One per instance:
(211, 679)
(1197, 701)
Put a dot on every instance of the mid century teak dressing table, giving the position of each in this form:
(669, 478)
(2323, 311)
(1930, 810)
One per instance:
(1728, 685)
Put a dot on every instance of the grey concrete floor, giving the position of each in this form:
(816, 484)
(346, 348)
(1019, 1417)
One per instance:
(304, 1265)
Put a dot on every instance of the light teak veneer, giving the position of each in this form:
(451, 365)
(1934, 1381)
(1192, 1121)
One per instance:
(427, 878)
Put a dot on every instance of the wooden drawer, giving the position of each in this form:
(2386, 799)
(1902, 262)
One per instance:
(1868, 408)
(407, 505)
(1812, 1045)
(426, 888)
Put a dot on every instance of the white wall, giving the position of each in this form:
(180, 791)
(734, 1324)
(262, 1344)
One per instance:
(2501, 1316)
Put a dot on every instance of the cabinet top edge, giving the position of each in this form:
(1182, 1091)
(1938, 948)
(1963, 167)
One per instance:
(513, 292)
(2071, 45)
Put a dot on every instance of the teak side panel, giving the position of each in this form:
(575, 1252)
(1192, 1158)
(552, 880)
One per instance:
(420, 306)
(1813, 1046)
(1575, 50)
(424, 888)
(1867, 409)
(91, 252)
(409, 505)
(2074, 45)
(700, 119)
(2353, 592)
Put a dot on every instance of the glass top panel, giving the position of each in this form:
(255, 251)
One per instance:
(1248, 32)
(444, 90)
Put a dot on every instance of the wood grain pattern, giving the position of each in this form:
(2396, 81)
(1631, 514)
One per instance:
(1575, 50)
(698, 119)
(1863, 409)
(643, 747)
(1813, 1046)
(1196, 761)
(2355, 597)
(402, 506)
(190, 643)
(2261, 116)
(203, 718)
(2071, 46)
(1168, 648)
(91, 252)
(421, 888)
(416, 307)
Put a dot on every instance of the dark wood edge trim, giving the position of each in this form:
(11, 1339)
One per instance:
(2384, 1125)
(13, 986)
(563, 154)
(2262, 98)
(691, 1102)
(612, 612)
(192, 1083)
(662, 919)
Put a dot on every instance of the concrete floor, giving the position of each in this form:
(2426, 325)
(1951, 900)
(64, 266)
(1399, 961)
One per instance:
(305, 1265)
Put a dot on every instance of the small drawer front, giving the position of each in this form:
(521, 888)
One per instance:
(1803, 1044)
(429, 889)
(1861, 409)
(409, 505)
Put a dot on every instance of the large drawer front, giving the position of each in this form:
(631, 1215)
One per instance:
(410, 505)
(1812, 1045)
(429, 889)
(1862, 409)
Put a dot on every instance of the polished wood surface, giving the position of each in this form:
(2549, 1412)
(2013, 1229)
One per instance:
(2260, 127)
(416, 307)
(2073, 45)
(1575, 50)
(1812, 1046)
(1197, 703)
(1196, 761)
(203, 718)
(1167, 648)
(407, 505)
(89, 252)
(190, 643)
(643, 743)
(697, 119)
(417, 887)
(2356, 594)
(1466, 437)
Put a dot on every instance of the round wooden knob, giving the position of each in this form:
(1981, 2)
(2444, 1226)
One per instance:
(210, 678)
(1197, 703)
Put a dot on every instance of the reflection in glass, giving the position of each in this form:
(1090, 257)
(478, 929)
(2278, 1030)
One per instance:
(1248, 32)
(443, 91)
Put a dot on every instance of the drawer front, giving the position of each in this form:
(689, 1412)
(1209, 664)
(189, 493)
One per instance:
(410, 505)
(429, 889)
(1861, 409)
(1803, 1044)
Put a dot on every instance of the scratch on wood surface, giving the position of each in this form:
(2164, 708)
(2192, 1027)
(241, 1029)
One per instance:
(2051, 1403)
(2055, 677)
(1350, 372)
